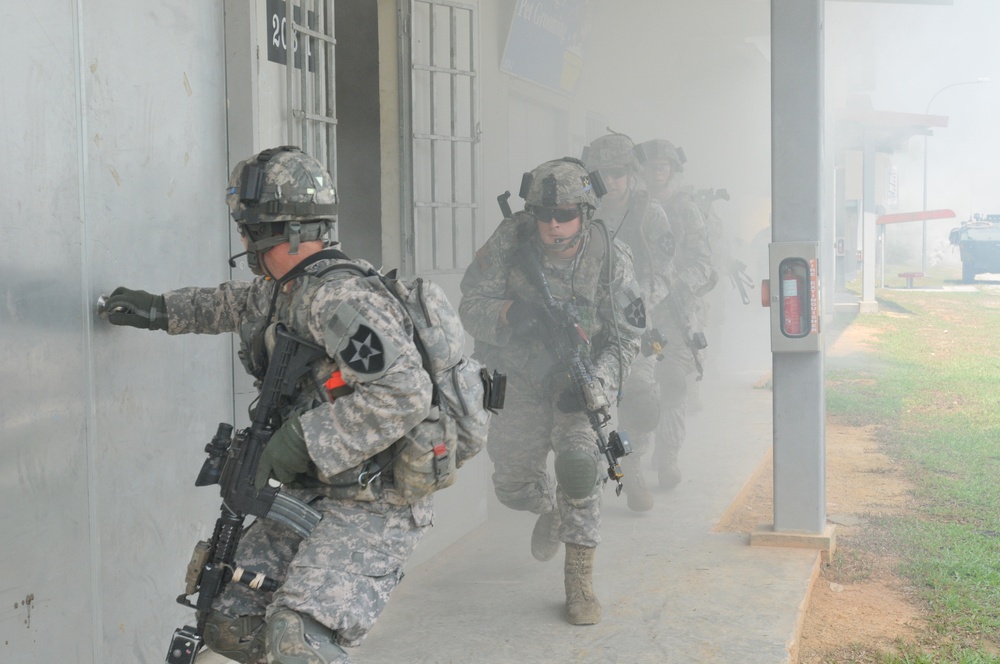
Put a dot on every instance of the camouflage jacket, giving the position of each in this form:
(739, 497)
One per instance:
(694, 273)
(644, 227)
(367, 337)
(496, 277)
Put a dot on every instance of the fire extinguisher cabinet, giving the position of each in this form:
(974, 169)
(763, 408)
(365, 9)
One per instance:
(794, 297)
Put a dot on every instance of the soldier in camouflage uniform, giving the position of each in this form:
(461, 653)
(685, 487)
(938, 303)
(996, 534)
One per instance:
(692, 277)
(336, 581)
(502, 308)
(640, 223)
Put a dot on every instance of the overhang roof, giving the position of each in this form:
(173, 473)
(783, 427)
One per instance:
(883, 131)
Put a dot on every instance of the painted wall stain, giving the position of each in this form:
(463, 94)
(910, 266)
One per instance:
(27, 602)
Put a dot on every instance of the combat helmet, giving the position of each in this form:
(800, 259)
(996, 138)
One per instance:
(612, 150)
(659, 149)
(280, 195)
(562, 182)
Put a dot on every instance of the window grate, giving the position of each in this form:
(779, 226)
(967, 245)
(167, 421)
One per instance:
(442, 219)
(310, 87)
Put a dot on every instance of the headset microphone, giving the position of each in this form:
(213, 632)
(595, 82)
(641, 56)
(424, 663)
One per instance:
(232, 259)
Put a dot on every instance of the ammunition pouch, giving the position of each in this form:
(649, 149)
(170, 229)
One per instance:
(240, 639)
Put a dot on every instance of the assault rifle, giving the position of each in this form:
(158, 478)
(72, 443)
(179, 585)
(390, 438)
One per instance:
(740, 279)
(232, 464)
(565, 347)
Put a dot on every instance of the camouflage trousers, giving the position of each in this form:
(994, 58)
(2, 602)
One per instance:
(672, 376)
(640, 410)
(521, 437)
(341, 575)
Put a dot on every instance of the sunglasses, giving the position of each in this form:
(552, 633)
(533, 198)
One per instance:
(614, 172)
(561, 215)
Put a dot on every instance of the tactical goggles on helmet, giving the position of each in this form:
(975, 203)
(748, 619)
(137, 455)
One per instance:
(561, 215)
(614, 172)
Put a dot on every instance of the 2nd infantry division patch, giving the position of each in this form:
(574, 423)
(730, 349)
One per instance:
(635, 313)
(365, 353)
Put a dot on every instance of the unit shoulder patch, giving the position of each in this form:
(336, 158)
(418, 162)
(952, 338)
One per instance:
(635, 313)
(364, 352)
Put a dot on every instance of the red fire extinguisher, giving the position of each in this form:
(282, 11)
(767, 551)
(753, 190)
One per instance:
(791, 308)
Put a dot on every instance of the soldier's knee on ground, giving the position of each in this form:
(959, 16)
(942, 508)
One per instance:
(576, 472)
(296, 638)
(241, 639)
(529, 497)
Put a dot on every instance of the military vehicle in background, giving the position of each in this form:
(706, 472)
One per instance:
(978, 242)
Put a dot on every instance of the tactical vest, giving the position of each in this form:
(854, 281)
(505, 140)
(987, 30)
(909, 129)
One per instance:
(633, 233)
(583, 283)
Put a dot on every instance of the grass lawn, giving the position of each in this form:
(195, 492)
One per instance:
(932, 385)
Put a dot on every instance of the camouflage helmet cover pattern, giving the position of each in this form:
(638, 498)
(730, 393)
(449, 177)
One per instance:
(659, 149)
(611, 150)
(560, 182)
(281, 184)
(280, 195)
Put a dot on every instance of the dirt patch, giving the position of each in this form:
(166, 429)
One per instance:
(858, 600)
(858, 605)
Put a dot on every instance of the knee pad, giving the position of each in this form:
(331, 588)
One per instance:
(295, 638)
(640, 410)
(240, 639)
(576, 473)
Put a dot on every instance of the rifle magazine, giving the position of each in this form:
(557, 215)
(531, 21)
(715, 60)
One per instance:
(294, 514)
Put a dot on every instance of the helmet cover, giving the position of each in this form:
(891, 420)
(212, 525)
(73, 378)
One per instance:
(559, 182)
(281, 195)
(659, 149)
(612, 150)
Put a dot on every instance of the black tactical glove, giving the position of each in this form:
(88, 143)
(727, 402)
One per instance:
(652, 343)
(285, 456)
(136, 308)
(522, 312)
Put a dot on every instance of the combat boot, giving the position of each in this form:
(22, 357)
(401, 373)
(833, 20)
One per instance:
(545, 536)
(638, 496)
(670, 473)
(582, 607)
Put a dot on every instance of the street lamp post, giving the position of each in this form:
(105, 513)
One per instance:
(923, 246)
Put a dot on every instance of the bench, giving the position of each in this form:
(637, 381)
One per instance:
(910, 276)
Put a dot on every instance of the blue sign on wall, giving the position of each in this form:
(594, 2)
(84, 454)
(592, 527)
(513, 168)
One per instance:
(545, 43)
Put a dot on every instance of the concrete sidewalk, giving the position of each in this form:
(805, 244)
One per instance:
(672, 590)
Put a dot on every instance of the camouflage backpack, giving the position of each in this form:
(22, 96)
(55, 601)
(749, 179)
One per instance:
(425, 459)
